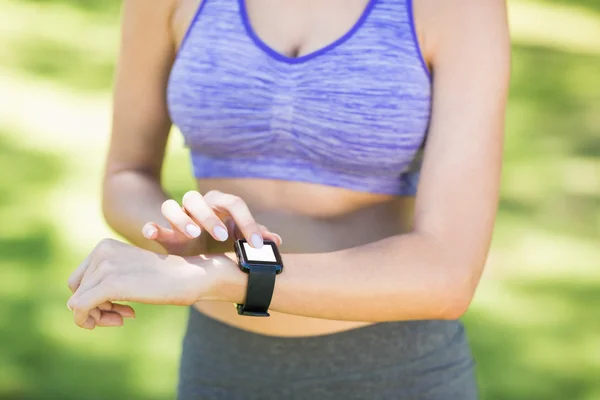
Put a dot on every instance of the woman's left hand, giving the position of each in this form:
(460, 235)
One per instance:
(116, 271)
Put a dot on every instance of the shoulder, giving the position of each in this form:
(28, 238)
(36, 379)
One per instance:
(146, 29)
(457, 26)
(161, 10)
(137, 16)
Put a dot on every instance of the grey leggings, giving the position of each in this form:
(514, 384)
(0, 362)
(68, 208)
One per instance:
(398, 360)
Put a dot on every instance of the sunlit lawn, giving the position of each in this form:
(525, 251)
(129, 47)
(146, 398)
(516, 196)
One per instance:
(534, 324)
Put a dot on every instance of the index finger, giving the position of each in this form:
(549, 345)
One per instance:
(75, 279)
(239, 212)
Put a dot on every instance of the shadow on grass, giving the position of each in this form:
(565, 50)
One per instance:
(551, 104)
(48, 369)
(22, 178)
(550, 354)
(62, 62)
(34, 364)
(75, 45)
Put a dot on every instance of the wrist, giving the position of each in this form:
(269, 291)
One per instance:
(222, 279)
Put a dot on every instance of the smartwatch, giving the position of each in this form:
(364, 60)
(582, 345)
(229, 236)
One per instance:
(262, 266)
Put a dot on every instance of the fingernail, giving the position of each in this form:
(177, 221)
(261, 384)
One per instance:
(149, 232)
(280, 239)
(220, 233)
(256, 241)
(69, 307)
(192, 230)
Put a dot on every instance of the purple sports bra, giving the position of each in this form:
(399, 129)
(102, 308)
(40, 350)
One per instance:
(353, 114)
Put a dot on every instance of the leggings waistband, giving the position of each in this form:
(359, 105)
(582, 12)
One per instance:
(407, 345)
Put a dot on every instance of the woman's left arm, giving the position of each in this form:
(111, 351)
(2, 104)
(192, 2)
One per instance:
(429, 273)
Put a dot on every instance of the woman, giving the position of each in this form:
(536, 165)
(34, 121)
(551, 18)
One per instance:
(306, 121)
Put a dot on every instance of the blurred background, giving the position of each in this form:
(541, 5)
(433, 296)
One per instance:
(534, 324)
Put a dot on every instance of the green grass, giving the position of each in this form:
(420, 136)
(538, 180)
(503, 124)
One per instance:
(591, 5)
(71, 42)
(533, 323)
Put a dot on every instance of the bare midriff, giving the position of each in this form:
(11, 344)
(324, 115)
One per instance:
(310, 218)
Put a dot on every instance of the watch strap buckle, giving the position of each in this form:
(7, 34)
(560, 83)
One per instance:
(249, 313)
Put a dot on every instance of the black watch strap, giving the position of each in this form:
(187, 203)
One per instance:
(261, 281)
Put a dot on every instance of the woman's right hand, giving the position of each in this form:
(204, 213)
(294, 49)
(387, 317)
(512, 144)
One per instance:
(221, 215)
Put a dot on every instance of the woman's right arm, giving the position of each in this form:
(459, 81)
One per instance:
(132, 192)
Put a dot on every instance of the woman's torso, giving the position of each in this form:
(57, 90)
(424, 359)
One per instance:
(309, 217)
